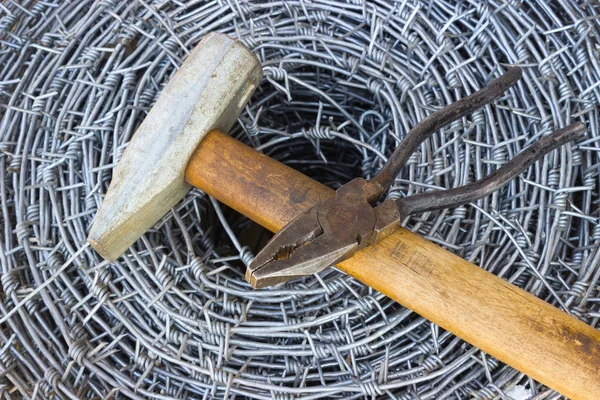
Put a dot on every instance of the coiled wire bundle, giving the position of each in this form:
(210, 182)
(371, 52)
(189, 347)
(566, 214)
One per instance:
(344, 81)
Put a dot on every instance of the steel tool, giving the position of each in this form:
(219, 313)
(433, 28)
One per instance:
(334, 229)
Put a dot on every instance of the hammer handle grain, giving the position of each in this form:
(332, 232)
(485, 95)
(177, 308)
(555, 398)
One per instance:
(484, 310)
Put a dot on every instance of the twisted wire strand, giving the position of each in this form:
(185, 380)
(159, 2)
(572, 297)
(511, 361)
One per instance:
(344, 82)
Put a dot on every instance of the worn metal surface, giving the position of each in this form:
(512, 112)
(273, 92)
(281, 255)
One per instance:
(329, 232)
(208, 92)
(343, 83)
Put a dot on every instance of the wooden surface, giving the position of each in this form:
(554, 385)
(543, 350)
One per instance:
(497, 317)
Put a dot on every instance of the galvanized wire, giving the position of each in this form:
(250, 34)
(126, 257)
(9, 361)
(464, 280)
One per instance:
(344, 81)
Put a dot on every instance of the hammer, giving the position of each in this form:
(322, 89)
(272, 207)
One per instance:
(180, 143)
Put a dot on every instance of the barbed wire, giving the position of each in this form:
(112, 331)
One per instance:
(344, 81)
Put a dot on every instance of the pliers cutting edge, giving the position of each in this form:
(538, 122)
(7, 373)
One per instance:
(334, 229)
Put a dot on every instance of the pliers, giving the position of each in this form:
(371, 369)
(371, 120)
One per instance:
(334, 229)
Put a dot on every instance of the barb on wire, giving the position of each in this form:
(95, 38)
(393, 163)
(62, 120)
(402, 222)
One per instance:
(344, 82)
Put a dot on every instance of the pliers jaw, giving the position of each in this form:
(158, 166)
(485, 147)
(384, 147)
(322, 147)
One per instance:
(272, 265)
(326, 234)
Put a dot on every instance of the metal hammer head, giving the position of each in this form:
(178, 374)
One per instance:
(208, 92)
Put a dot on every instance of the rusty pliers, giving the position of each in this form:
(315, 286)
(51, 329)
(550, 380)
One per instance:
(334, 229)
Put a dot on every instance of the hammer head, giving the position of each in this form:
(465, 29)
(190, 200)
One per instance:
(208, 92)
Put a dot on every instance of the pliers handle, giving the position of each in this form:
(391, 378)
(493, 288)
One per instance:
(436, 121)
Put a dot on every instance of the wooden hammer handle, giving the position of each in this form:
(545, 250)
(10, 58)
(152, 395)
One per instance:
(484, 310)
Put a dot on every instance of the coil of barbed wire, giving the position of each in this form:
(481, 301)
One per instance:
(343, 82)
